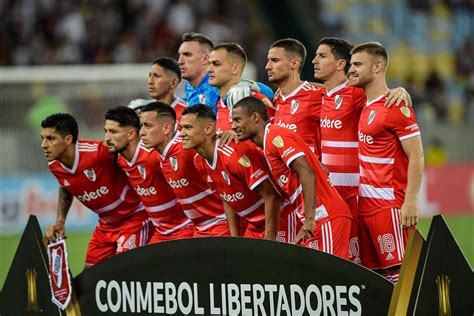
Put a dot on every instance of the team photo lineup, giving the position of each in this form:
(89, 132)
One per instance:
(334, 166)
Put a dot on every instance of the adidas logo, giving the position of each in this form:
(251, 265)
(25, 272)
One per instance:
(66, 183)
(389, 257)
(209, 179)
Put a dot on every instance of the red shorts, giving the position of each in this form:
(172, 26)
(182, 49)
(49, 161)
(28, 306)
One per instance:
(290, 225)
(354, 252)
(332, 237)
(252, 231)
(106, 242)
(382, 240)
(185, 232)
(217, 230)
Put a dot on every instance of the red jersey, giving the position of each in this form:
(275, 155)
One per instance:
(236, 171)
(200, 203)
(146, 177)
(178, 105)
(224, 115)
(340, 113)
(98, 183)
(282, 147)
(383, 162)
(300, 111)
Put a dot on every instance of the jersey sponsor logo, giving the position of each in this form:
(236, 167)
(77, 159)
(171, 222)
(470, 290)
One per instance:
(294, 106)
(177, 184)
(278, 142)
(232, 197)
(282, 180)
(244, 161)
(90, 174)
(145, 191)
(142, 171)
(405, 111)
(226, 177)
(66, 183)
(365, 138)
(328, 123)
(174, 163)
(93, 195)
(371, 118)
(338, 101)
(292, 127)
(202, 98)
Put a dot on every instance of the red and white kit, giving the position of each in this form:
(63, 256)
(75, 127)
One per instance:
(300, 111)
(146, 177)
(178, 105)
(200, 203)
(383, 180)
(102, 186)
(333, 218)
(224, 115)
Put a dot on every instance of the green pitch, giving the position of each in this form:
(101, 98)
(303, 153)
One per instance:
(461, 226)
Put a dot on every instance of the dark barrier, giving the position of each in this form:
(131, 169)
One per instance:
(230, 276)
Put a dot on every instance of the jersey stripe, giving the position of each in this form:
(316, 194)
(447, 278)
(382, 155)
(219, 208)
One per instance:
(196, 197)
(338, 144)
(369, 191)
(376, 159)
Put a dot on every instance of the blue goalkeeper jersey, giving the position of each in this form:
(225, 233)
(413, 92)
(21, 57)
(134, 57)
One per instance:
(203, 93)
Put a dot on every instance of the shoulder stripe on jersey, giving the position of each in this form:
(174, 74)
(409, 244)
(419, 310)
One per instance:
(410, 135)
(225, 152)
(80, 144)
(386, 161)
(88, 150)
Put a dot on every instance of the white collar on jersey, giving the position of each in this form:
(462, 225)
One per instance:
(374, 100)
(175, 101)
(76, 159)
(214, 161)
(335, 89)
(135, 155)
(168, 146)
(293, 92)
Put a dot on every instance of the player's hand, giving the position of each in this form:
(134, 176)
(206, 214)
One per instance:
(227, 137)
(398, 95)
(306, 231)
(241, 90)
(409, 214)
(54, 231)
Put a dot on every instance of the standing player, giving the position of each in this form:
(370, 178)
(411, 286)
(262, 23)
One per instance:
(226, 65)
(340, 112)
(85, 170)
(391, 164)
(163, 79)
(200, 203)
(300, 175)
(142, 166)
(298, 103)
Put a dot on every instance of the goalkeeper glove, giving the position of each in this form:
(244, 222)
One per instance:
(239, 91)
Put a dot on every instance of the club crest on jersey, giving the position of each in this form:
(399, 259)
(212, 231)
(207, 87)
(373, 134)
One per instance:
(294, 106)
(244, 161)
(338, 101)
(174, 163)
(405, 111)
(372, 115)
(278, 142)
(142, 171)
(202, 99)
(226, 177)
(90, 174)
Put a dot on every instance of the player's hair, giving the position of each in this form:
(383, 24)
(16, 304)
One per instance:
(202, 111)
(252, 104)
(293, 46)
(169, 64)
(374, 49)
(233, 49)
(64, 123)
(202, 39)
(161, 109)
(341, 49)
(123, 115)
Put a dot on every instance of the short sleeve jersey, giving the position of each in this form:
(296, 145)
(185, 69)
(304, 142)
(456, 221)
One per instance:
(300, 111)
(178, 105)
(282, 147)
(145, 175)
(235, 172)
(200, 203)
(383, 162)
(98, 182)
(202, 93)
(340, 113)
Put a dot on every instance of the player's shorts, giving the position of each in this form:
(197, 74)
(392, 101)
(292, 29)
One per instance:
(354, 251)
(290, 225)
(382, 240)
(131, 233)
(332, 237)
(217, 230)
(185, 232)
(252, 231)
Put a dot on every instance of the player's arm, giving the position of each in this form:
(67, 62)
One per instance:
(307, 178)
(398, 94)
(414, 150)
(64, 204)
(272, 208)
(232, 219)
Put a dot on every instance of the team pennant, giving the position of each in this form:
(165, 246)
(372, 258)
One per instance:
(59, 277)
